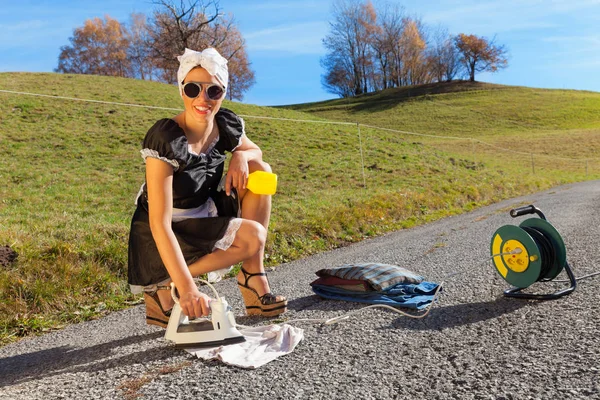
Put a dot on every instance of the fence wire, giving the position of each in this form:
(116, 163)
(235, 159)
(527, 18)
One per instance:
(536, 161)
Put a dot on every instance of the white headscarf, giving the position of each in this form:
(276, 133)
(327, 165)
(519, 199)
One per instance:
(209, 59)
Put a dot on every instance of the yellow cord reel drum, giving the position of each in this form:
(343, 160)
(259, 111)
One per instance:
(532, 252)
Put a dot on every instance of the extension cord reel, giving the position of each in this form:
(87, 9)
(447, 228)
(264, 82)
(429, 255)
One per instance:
(532, 252)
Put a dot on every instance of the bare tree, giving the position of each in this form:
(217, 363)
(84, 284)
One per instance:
(385, 42)
(177, 26)
(369, 49)
(338, 78)
(198, 24)
(138, 51)
(451, 61)
(348, 43)
(228, 40)
(479, 54)
(443, 56)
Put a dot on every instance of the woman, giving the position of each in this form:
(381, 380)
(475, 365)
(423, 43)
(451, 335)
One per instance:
(186, 223)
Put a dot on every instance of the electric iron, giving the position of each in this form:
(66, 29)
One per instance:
(203, 332)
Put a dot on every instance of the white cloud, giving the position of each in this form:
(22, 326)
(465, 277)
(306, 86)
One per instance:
(506, 16)
(31, 34)
(592, 63)
(302, 38)
(269, 32)
(573, 39)
(585, 48)
(23, 26)
(282, 5)
(562, 6)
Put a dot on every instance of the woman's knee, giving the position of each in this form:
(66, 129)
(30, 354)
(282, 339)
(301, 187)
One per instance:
(253, 235)
(259, 166)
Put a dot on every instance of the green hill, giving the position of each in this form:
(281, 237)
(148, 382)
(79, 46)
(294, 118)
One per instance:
(71, 169)
(557, 123)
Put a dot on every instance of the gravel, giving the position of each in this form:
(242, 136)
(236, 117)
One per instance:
(475, 343)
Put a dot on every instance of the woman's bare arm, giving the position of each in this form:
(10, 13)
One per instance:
(159, 179)
(237, 173)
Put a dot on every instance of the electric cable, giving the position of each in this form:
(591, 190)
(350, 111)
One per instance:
(544, 244)
(547, 251)
(577, 278)
(345, 316)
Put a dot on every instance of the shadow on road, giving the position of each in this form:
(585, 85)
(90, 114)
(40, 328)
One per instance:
(66, 359)
(462, 314)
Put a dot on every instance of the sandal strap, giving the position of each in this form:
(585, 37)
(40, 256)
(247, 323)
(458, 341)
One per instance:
(268, 299)
(248, 275)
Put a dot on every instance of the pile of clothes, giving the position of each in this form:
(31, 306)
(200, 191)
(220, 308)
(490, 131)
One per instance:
(375, 283)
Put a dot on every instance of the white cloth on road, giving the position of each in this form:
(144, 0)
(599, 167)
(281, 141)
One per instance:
(263, 344)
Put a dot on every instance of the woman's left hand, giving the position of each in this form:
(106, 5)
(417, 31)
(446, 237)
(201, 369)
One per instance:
(237, 174)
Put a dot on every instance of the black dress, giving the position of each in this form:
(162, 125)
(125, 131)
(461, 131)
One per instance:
(196, 178)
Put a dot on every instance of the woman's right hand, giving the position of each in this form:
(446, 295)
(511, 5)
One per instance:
(194, 303)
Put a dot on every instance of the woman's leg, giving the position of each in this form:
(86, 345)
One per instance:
(256, 208)
(248, 245)
(249, 241)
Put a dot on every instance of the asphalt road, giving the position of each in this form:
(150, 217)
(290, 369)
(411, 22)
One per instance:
(475, 343)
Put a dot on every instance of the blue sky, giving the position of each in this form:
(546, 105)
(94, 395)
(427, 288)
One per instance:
(551, 43)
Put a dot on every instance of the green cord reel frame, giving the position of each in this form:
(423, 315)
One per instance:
(532, 252)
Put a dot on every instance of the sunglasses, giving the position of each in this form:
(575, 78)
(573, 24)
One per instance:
(212, 91)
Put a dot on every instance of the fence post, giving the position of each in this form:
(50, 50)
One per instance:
(362, 160)
(532, 164)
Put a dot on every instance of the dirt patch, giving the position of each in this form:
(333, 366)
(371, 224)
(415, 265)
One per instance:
(7, 256)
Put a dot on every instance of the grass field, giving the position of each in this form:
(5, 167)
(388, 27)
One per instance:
(70, 171)
(513, 122)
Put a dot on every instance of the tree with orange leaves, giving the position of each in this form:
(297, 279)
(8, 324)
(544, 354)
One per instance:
(98, 47)
(479, 54)
(413, 66)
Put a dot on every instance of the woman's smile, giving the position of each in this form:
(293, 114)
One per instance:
(202, 109)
